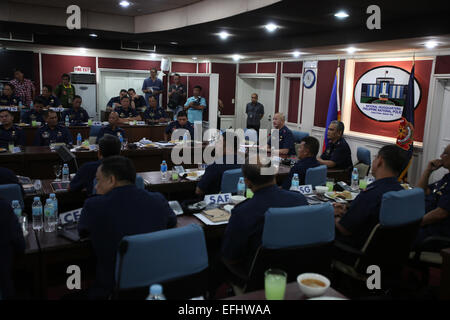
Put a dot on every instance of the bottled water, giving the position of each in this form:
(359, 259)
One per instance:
(185, 137)
(241, 187)
(65, 172)
(16, 208)
(355, 179)
(55, 203)
(156, 293)
(37, 185)
(31, 105)
(79, 139)
(20, 104)
(67, 120)
(49, 216)
(36, 209)
(295, 182)
(164, 170)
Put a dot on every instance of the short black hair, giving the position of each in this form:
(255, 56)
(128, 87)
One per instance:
(39, 100)
(125, 97)
(47, 113)
(151, 69)
(18, 70)
(252, 172)
(339, 126)
(9, 85)
(131, 89)
(152, 96)
(198, 87)
(123, 90)
(49, 87)
(65, 75)
(182, 113)
(109, 145)
(312, 144)
(176, 75)
(394, 157)
(7, 110)
(120, 167)
(77, 97)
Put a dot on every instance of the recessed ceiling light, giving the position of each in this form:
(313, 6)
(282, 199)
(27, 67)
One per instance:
(174, 42)
(431, 44)
(236, 57)
(194, 58)
(271, 27)
(93, 35)
(351, 49)
(223, 35)
(296, 54)
(341, 15)
(124, 4)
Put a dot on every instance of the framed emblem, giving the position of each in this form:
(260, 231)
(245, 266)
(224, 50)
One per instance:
(309, 79)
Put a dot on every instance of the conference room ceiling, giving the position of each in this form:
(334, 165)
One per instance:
(302, 24)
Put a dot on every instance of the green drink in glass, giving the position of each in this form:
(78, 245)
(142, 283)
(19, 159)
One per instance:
(330, 185)
(249, 193)
(363, 184)
(275, 284)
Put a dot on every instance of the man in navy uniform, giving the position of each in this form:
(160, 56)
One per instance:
(155, 113)
(108, 146)
(243, 234)
(338, 154)
(52, 132)
(181, 123)
(355, 224)
(112, 128)
(286, 145)
(77, 114)
(51, 101)
(307, 153)
(8, 98)
(9, 131)
(114, 102)
(37, 114)
(211, 180)
(126, 113)
(436, 221)
(121, 210)
(137, 101)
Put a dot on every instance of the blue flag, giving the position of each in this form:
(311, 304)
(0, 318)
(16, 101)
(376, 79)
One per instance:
(334, 110)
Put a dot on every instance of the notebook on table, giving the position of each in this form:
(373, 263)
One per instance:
(59, 186)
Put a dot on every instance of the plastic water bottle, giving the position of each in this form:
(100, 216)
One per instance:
(164, 170)
(36, 209)
(185, 137)
(37, 185)
(55, 203)
(49, 216)
(16, 208)
(20, 105)
(119, 135)
(295, 182)
(31, 105)
(65, 172)
(241, 187)
(355, 179)
(67, 120)
(156, 293)
(79, 139)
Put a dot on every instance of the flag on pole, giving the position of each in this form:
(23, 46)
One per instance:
(405, 136)
(334, 107)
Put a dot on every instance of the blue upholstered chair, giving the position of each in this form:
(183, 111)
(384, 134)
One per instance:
(166, 257)
(299, 135)
(364, 161)
(93, 133)
(11, 192)
(316, 176)
(251, 135)
(230, 179)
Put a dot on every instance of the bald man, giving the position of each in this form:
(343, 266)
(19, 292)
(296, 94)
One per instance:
(286, 145)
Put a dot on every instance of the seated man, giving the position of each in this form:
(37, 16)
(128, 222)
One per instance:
(137, 101)
(211, 181)
(112, 128)
(307, 153)
(195, 105)
(338, 154)
(52, 132)
(108, 146)
(9, 132)
(8, 99)
(436, 221)
(114, 102)
(243, 234)
(355, 224)
(37, 114)
(121, 210)
(77, 114)
(51, 101)
(11, 243)
(8, 177)
(154, 113)
(181, 123)
(126, 113)
(286, 145)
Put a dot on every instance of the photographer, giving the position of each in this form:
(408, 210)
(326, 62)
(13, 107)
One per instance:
(195, 106)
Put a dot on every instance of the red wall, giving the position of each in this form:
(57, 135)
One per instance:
(186, 67)
(36, 67)
(277, 93)
(361, 123)
(294, 98)
(227, 84)
(247, 68)
(113, 63)
(267, 67)
(293, 67)
(326, 71)
(442, 65)
(203, 68)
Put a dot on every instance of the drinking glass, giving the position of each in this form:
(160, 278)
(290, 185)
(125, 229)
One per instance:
(125, 143)
(330, 184)
(24, 224)
(275, 284)
(363, 183)
(57, 170)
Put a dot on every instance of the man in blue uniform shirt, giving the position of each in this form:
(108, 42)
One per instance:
(307, 153)
(152, 86)
(112, 128)
(52, 132)
(436, 221)
(338, 154)
(154, 113)
(8, 98)
(77, 114)
(286, 138)
(114, 102)
(181, 123)
(51, 101)
(37, 114)
(108, 146)
(9, 132)
(137, 101)
(125, 112)
(195, 105)
(121, 210)
(355, 224)
(243, 234)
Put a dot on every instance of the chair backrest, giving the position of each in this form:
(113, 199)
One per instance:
(94, 130)
(161, 256)
(299, 135)
(402, 207)
(363, 169)
(251, 134)
(316, 176)
(230, 179)
(11, 192)
(363, 155)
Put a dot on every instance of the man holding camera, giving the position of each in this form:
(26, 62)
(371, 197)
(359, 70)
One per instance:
(195, 106)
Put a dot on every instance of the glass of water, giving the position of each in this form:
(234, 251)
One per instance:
(57, 170)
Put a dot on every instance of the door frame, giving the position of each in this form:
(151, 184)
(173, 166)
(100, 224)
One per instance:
(285, 86)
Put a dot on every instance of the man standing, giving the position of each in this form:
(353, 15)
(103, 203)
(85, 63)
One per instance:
(286, 138)
(9, 132)
(9, 99)
(255, 112)
(177, 95)
(65, 92)
(152, 86)
(114, 102)
(52, 132)
(195, 106)
(24, 87)
(77, 115)
(51, 101)
(338, 154)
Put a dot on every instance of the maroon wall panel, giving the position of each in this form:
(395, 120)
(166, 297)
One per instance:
(442, 65)
(36, 73)
(267, 67)
(294, 99)
(227, 84)
(113, 63)
(292, 67)
(247, 68)
(186, 67)
(277, 93)
(203, 67)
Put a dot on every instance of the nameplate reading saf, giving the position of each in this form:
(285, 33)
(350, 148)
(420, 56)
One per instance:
(70, 216)
(221, 198)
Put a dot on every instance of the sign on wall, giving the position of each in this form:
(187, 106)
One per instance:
(80, 69)
(380, 93)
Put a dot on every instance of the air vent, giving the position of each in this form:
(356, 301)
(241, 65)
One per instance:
(138, 46)
(17, 36)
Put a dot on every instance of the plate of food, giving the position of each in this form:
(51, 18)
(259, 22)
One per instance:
(194, 175)
(341, 195)
(197, 206)
(3, 150)
(23, 124)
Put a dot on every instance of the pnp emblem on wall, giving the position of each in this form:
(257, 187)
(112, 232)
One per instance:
(380, 93)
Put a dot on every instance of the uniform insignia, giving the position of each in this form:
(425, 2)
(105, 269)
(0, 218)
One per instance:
(59, 134)
(45, 134)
